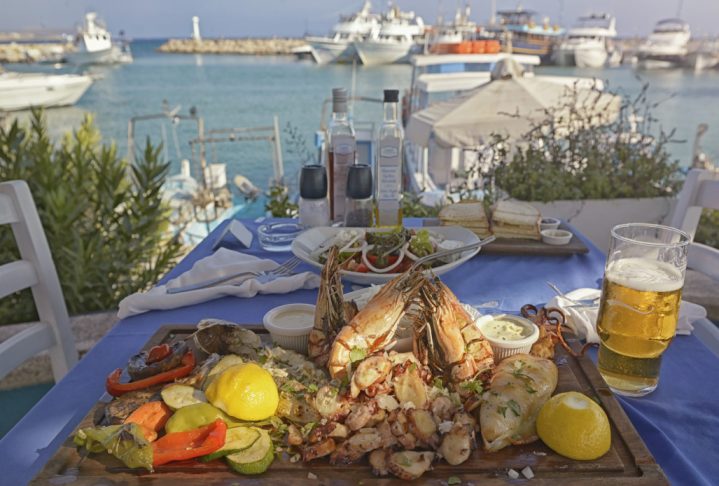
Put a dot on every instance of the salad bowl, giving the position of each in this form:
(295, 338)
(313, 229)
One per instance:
(311, 245)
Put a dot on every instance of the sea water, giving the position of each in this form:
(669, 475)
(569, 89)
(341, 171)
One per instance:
(244, 91)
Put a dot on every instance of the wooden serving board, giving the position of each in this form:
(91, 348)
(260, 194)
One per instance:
(628, 462)
(518, 246)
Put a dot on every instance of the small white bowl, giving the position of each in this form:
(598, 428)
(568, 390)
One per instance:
(556, 236)
(505, 348)
(549, 224)
(288, 332)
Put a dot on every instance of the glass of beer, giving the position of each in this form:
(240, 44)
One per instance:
(639, 308)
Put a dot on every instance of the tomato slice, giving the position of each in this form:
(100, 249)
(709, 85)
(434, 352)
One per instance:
(390, 260)
(361, 268)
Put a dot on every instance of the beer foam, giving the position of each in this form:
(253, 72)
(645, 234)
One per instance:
(645, 275)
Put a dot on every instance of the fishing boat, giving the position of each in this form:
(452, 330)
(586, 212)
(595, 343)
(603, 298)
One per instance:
(338, 46)
(522, 35)
(22, 91)
(587, 44)
(460, 29)
(199, 195)
(93, 43)
(398, 36)
(666, 46)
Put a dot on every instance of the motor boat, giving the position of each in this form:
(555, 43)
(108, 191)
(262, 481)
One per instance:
(93, 43)
(666, 46)
(22, 91)
(338, 46)
(437, 77)
(431, 170)
(587, 43)
(398, 36)
(521, 34)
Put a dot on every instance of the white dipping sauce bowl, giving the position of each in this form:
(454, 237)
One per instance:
(504, 349)
(556, 236)
(295, 336)
(549, 224)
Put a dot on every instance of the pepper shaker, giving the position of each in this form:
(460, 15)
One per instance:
(314, 207)
(359, 205)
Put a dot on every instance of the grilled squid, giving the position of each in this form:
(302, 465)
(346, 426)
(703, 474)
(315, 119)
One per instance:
(520, 386)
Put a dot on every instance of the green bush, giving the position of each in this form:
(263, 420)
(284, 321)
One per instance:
(708, 229)
(412, 207)
(105, 220)
(567, 156)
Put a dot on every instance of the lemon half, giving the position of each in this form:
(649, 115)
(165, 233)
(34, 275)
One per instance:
(575, 426)
(245, 391)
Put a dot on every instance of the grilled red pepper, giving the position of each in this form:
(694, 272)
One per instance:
(179, 446)
(115, 388)
(158, 353)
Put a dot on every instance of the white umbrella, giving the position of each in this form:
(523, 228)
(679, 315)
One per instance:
(509, 104)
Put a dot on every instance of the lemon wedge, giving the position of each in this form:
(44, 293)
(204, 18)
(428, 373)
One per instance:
(575, 426)
(245, 391)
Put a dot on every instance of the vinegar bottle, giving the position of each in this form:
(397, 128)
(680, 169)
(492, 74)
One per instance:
(341, 154)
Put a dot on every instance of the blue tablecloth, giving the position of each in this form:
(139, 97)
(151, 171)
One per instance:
(679, 422)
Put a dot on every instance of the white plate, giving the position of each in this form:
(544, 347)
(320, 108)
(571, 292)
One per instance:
(311, 239)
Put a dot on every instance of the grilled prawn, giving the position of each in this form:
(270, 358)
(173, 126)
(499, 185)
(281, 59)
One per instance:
(331, 312)
(373, 328)
(446, 339)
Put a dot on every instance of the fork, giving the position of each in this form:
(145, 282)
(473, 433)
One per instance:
(575, 303)
(283, 270)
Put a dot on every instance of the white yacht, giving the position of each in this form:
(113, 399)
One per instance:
(399, 35)
(339, 47)
(93, 44)
(461, 28)
(22, 91)
(667, 45)
(587, 44)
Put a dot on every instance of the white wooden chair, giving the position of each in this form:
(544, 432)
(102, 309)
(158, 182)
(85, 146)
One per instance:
(701, 190)
(35, 270)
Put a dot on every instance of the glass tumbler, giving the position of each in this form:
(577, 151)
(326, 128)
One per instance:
(639, 308)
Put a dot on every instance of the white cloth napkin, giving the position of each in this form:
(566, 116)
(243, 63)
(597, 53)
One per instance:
(583, 320)
(222, 262)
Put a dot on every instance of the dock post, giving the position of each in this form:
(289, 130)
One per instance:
(277, 159)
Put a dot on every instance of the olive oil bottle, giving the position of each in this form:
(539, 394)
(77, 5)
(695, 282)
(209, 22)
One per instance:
(388, 166)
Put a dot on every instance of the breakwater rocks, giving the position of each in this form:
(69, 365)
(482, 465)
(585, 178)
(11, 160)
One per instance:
(254, 47)
(27, 53)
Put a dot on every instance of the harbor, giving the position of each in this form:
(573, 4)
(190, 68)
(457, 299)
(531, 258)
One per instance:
(338, 242)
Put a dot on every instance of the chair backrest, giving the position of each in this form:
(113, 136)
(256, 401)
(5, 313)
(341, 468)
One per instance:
(701, 190)
(36, 271)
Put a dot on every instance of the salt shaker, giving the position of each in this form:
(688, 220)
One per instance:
(314, 207)
(359, 204)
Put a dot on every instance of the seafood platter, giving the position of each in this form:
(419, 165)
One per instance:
(375, 256)
(219, 403)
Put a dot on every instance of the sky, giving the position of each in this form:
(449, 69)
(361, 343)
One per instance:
(263, 18)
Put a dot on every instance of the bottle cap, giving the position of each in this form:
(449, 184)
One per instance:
(391, 95)
(313, 182)
(359, 181)
(339, 100)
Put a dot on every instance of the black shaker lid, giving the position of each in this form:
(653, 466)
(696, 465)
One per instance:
(313, 182)
(391, 95)
(339, 100)
(359, 181)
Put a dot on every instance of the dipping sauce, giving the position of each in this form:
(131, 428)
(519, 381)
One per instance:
(294, 319)
(505, 330)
